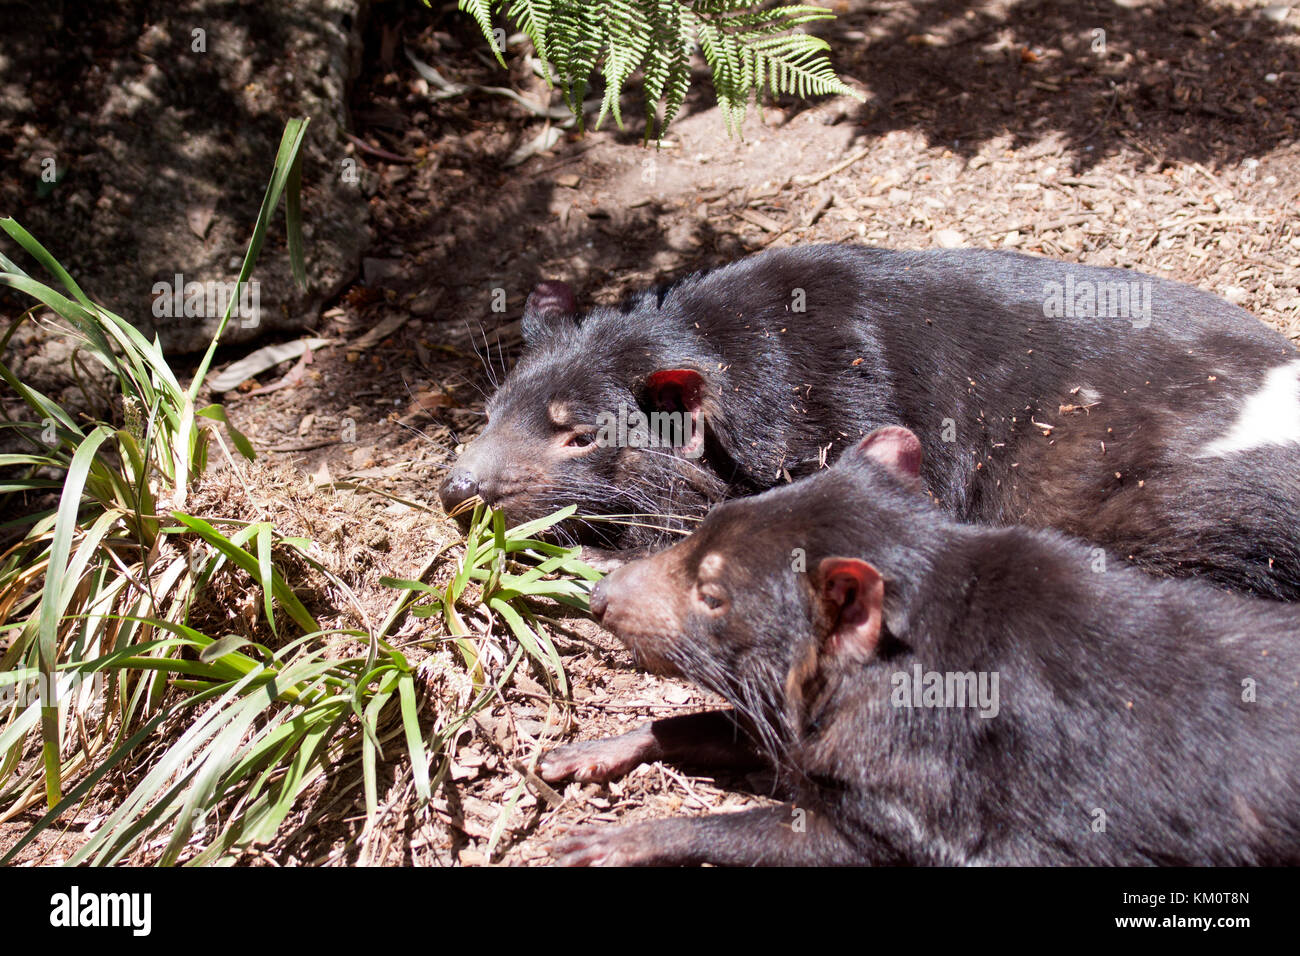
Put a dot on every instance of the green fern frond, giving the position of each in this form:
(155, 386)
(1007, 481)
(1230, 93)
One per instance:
(748, 48)
(481, 11)
(793, 64)
(577, 40)
(666, 74)
(774, 19)
(629, 37)
(731, 86)
(534, 19)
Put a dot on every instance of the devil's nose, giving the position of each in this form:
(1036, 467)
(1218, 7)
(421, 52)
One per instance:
(599, 599)
(458, 486)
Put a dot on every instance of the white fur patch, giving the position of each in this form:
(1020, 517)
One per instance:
(1270, 417)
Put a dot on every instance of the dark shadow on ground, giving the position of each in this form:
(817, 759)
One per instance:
(1178, 80)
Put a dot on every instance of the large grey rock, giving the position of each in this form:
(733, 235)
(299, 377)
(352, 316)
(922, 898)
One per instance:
(166, 119)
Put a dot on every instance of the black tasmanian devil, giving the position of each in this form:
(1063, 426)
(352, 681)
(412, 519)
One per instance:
(939, 693)
(1142, 415)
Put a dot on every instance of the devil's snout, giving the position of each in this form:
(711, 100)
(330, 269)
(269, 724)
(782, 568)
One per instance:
(615, 599)
(598, 599)
(459, 486)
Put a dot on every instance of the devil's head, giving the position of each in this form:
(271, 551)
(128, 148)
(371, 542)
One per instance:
(610, 412)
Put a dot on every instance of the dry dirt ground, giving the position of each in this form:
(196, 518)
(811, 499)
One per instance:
(1169, 146)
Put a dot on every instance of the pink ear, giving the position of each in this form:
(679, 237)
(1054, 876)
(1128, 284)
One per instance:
(893, 447)
(853, 596)
(552, 298)
(550, 305)
(676, 390)
(680, 390)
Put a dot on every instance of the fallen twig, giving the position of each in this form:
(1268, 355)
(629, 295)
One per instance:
(811, 180)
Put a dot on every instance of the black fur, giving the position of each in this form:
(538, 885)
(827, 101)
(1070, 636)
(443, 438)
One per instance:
(1123, 699)
(1089, 425)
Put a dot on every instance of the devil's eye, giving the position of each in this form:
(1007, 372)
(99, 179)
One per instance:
(581, 439)
(712, 597)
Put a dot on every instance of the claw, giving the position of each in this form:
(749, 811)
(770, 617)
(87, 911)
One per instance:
(600, 846)
(592, 761)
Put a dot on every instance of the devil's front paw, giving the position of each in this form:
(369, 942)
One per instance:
(634, 845)
(594, 761)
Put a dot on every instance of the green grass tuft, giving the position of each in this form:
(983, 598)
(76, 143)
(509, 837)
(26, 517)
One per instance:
(102, 672)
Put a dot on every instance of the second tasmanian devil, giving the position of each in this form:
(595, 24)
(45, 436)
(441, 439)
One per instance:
(938, 693)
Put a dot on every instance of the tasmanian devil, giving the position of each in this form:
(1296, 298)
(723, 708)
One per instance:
(938, 693)
(1142, 415)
